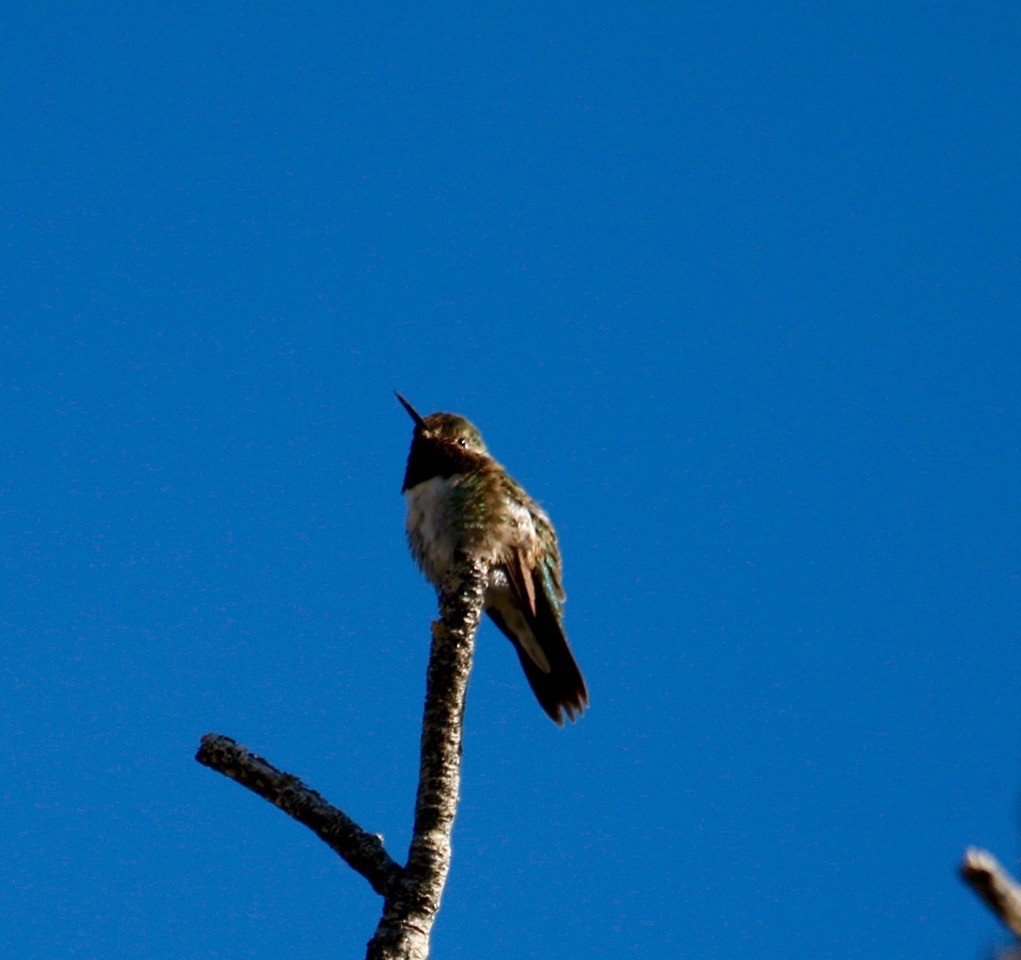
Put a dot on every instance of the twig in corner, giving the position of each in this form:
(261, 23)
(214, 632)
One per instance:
(1000, 891)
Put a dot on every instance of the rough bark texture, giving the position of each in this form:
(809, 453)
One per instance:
(1001, 893)
(411, 894)
(362, 851)
(411, 905)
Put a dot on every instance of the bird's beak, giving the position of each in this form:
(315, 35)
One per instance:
(412, 412)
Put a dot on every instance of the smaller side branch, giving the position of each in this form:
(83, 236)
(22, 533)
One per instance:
(362, 851)
(1000, 891)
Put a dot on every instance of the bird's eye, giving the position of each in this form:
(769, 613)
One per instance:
(463, 441)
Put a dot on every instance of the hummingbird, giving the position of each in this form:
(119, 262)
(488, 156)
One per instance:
(460, 498)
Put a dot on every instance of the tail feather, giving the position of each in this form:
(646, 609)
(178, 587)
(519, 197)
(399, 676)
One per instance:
(563, 689)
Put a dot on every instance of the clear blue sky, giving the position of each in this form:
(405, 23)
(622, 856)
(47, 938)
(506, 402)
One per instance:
(733, 289)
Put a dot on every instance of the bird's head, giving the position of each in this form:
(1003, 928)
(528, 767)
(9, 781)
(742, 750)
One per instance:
(446, 430)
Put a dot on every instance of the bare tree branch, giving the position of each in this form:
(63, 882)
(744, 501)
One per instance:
(1001, 893)
(362, 851)
(411, 894)
(411, 905)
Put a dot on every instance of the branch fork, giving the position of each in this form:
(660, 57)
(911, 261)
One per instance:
(412, 892)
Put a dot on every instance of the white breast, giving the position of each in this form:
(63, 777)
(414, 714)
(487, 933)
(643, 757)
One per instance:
(431, 528)
(435, 530)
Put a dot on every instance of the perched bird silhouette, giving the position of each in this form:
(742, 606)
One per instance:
(460, 498)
